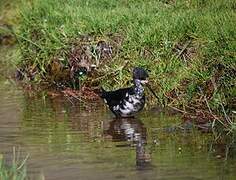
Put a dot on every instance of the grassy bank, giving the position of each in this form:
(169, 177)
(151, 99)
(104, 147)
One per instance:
(188, 46)
(8, 19)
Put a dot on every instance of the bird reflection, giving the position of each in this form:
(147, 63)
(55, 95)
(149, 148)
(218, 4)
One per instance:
(131, 130)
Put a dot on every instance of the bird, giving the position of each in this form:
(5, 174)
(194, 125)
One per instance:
(127, 102)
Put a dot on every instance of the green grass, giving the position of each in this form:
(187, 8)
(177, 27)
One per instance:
(154, 33)
(15, 171)
(8, 14)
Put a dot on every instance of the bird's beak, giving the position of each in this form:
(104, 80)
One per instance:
(144, 81)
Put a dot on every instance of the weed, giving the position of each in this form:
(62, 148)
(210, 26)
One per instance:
(16, 170)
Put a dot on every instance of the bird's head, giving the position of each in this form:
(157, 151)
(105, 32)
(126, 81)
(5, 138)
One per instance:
(141, 75)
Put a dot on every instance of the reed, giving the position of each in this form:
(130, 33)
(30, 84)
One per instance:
(16, 170)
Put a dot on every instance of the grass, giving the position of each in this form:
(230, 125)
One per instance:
(188, 46)
(15, 171)
(8, 15)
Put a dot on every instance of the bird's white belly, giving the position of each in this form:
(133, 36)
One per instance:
(129, 107)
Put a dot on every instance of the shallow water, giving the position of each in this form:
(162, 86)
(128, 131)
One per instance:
(71, 140)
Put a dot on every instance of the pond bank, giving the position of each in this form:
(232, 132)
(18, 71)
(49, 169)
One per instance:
(189, 55)
(84, 141)
(66, 137)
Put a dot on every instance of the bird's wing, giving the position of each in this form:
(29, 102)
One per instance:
(114, 97)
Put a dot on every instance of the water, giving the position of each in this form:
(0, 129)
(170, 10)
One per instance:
(66, 140)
